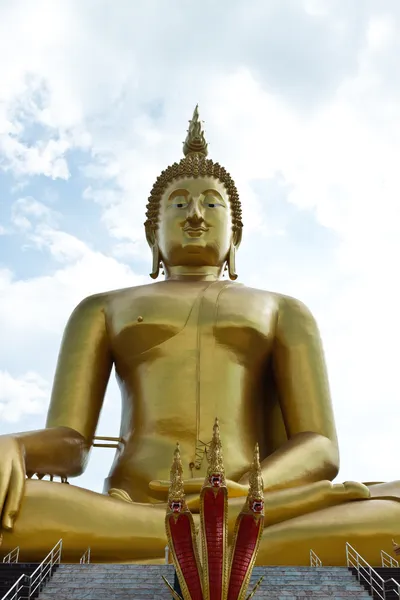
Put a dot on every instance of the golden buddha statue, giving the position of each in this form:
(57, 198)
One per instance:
(185, 350)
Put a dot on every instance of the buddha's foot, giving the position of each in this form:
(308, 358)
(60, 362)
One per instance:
(352, 490)
(120, 495)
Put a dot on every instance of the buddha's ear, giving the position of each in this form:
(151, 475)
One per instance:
(237, 237)
(152, 241)
(150, 234)
(231, 260)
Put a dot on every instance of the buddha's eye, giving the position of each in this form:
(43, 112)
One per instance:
(211, 202)
(179, 203)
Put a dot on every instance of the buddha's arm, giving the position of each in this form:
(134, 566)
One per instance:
(311, 452)
(81, 378)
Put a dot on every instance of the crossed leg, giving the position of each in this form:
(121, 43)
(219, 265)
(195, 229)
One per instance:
(369, 526)
(118, 531)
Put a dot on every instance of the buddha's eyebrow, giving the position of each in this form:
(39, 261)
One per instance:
(176, 193)
(214, 193)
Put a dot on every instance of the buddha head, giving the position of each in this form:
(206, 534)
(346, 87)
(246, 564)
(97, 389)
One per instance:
(193, 212)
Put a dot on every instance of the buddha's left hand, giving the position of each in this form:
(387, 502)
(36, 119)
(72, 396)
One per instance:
(194, 486)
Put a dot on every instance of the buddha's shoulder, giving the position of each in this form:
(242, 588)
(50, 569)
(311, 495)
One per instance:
(281, 302)
(103, 300)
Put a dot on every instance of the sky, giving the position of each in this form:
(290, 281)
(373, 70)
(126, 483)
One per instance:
(301, 104)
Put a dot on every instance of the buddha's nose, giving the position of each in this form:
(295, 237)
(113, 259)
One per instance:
(194, 214)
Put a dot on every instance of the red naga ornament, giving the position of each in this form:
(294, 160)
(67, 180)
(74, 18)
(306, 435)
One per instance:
(222, 573)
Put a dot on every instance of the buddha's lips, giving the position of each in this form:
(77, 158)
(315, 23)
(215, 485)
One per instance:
(195, 231)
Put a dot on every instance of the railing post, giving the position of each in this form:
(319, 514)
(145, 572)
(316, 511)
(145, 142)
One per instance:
(40, 577)
(27, 584)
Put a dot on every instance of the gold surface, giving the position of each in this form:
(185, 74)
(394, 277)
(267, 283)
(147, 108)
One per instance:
(185, 350)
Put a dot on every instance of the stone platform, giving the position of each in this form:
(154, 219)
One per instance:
(143, 582)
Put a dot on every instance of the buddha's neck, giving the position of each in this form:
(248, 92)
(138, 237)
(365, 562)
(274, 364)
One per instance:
(190, 273)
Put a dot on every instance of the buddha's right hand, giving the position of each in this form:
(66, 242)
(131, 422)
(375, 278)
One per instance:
(12, 479)
(195, 485)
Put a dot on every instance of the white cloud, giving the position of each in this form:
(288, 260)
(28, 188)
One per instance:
(40, 305)
(26, 211)
(24, 395)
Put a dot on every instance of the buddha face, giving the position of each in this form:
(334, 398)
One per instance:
(195, 223)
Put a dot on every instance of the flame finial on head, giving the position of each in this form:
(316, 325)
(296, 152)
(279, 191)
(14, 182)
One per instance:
(195, 142)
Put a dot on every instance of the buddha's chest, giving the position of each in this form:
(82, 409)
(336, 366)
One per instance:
(176, 318)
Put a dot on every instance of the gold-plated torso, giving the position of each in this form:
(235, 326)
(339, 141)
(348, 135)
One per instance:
(186, 350)
(196, 340)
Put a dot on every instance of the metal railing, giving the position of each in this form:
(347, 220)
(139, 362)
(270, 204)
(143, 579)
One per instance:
(12, 557)
(391, 585)
(315, 561)
(45, 569)
(365, 573)
(388, 561)
(85, 558)
(14, 593)
(29, 584)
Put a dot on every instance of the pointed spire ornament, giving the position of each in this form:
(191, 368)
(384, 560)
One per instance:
(215, 457)
(195, 142)
(176, 494)
(256, 484)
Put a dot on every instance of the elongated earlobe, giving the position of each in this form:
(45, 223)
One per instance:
(155, 251)
(231, 262)
(155, 271)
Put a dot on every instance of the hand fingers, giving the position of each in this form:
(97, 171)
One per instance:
(191, 485)
(14, 497)
(159, 485)
(5, 476)
(236, 490)
(194, 486)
